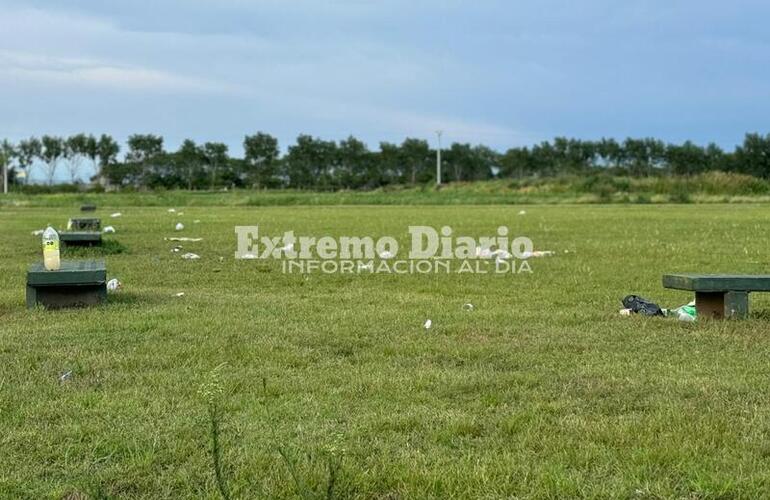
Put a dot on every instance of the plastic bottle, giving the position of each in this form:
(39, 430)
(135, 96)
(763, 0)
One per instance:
(51, 259)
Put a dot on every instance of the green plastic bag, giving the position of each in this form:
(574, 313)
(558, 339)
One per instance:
(686, 312)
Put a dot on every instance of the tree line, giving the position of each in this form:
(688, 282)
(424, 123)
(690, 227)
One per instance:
(314, 163)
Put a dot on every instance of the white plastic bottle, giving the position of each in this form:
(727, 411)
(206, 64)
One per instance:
(51, 259)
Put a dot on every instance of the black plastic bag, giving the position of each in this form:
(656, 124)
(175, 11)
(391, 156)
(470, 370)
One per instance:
(642, 306)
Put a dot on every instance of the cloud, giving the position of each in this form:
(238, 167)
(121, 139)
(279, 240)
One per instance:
(50, 70)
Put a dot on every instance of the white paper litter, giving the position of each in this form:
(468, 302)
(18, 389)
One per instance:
(179, 226)
(190, 256)
(484, 253)
(108, 229)
(171, 210)
(468, 307)
(114, 284)
(180, 294)
(116, 214)
(537, 253)
(427, 324)
(182, 238)
(37, 232)
(522, 212)
(65, 376)
(625, 312)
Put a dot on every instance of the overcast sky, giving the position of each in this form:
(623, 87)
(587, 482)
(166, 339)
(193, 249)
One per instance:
(501, 72)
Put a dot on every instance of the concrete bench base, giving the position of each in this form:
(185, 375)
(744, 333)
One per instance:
(76, 284)
(89, 224)
(719, 295)
(80, 238)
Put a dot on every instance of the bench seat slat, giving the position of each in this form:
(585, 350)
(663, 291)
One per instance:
(72, 272)
(718, 282)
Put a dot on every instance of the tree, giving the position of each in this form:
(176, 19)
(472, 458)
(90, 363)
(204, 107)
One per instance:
(716, 159)
(190, 163)
(610, 152)
(106, 151)
(53, 150)
(7, 153)
(75, 150)
(416, 155)
(753, 156)
(390, 164)
(311, 162)
(685, 159)
(215, 154)
(261, 159)
(26, 153)
(144, 165)
(516, 162)
(354, 165)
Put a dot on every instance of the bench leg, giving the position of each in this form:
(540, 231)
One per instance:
(710, 304)
(31, 297)
(736, 305)
(717, 305)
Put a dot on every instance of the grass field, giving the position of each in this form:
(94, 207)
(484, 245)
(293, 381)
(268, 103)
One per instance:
(542, 390)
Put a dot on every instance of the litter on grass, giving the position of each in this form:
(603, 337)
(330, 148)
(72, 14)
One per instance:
(114, 284)
(177, 249)
(538, 253)
(468, 307)
(183, 238)
(179, 226)
(180, 294)
(428, 324)
(171, 210)
(641, 305)
(116, 214)
(522, 212)
(191, 256)
(633, 304)
(37, 232)
(65, 376)
(108, 229)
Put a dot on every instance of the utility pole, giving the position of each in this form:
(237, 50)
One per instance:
(438, 158)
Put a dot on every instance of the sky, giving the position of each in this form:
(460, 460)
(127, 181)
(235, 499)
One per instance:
(498, 72)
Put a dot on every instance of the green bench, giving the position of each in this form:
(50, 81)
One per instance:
(84, 224)
(77, 283)
(719, 295)
(80, 238)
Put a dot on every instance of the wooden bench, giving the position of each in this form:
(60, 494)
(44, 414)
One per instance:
(719, 295)
(80, 238)
(84, 224)
(77, 283)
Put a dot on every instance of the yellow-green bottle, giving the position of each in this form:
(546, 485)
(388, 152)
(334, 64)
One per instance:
(51, 259)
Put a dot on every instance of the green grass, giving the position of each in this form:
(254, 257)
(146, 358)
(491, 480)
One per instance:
(542, 390)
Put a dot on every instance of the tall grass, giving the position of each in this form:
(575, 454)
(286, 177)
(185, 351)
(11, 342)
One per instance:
(710, 187)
